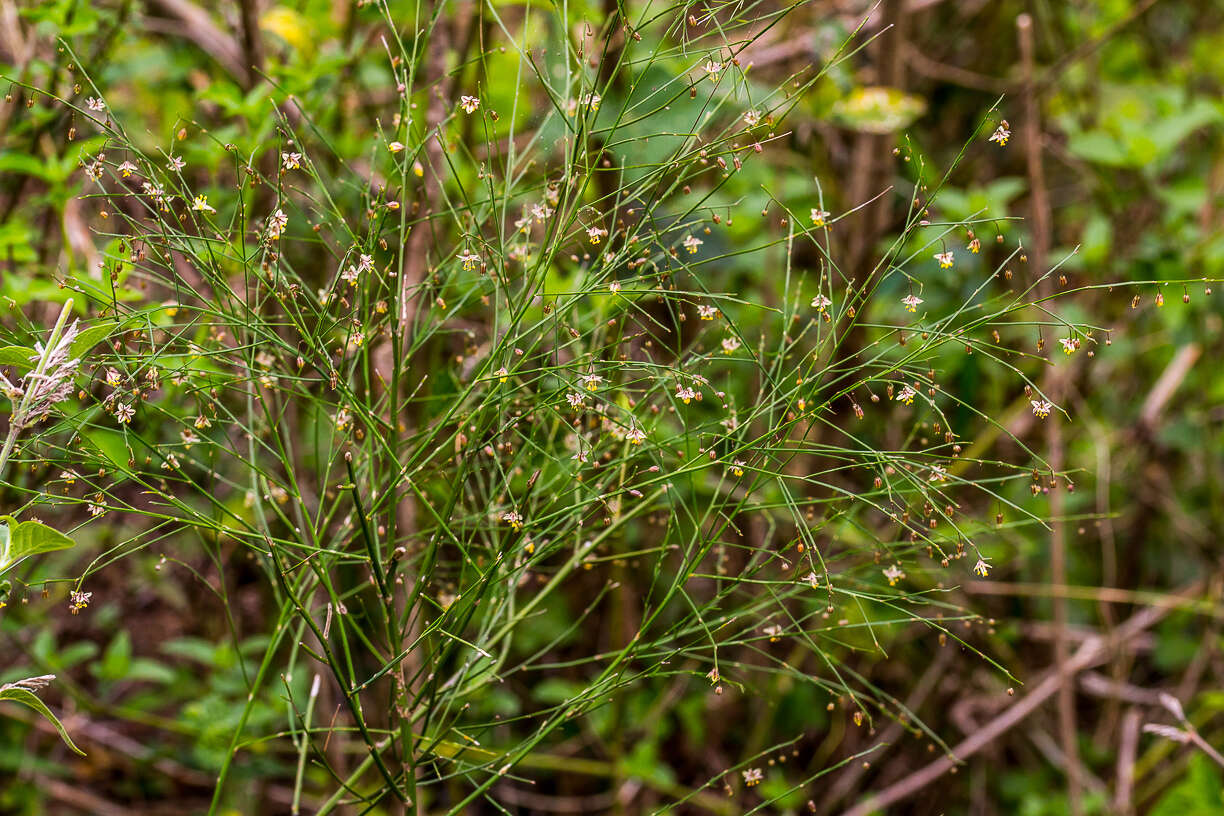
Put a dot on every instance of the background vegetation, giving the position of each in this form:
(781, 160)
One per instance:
(551, 451)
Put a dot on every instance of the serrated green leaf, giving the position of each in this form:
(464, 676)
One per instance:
(19, 541)
(28, 698)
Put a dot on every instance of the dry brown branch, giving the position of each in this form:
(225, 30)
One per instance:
(1039, 224)
(194, 24)
(1089, 654)
(1168, 383)
(1128, 746)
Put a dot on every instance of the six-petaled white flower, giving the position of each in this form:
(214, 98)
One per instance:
(1001, 134)
(820, 303)
(277, 222)
(1042, 408)
(911, 302)
(469, 103)
(906, 395)
(819, 217)
(945, 259)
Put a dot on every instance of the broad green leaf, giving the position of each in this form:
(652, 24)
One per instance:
(1198, 793)
(17, 356)
(27, 698)
(90, 337)
(116, 661)
(18, 541)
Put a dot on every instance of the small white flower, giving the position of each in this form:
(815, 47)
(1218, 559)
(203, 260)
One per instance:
(614, 287)
(981, 568)
(906, 395)
(513, 519)
(635, 435)
(469, 103)
(945, 259)
(175, 164)
(812, 580)
(819, 217)
(127, 169)
(113, 377)
(79, 600)
(594, 234)
(752, 776)
(1069, 344)
(395, 147)
(1042, 408)
(469, 259)
(713, 69)
(730, 344)
(575, 400)
(95, 104)
(894, 574)
(752, 118)
(820, 303)
(911, 303)
(592, 101)
(344, 418)
(276, 225)
(706, 312)
(291, 161)
(938, 474)
(201, 204)
(685, 394)
(591, 381)
(691, 244)
(1001, 134)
